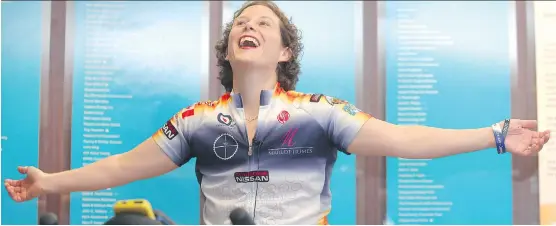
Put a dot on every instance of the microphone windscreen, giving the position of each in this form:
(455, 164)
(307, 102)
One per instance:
(48, 219)
(239, 216)
(131, 219)
(163, 218)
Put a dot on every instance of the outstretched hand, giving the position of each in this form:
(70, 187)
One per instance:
(27, 188)
(523, 138)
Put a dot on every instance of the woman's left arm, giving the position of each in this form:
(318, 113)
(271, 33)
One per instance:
(377, 137)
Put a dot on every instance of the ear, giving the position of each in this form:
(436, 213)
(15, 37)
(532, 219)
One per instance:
(285, 55)
(228, 49)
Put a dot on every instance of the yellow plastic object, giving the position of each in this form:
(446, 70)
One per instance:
(139, 206)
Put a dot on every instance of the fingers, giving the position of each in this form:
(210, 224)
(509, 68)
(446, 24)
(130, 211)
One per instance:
(12, 182)
(16, 188)
(23, 169)
(9, 187)
(546, 136)
(536, 146)
(14, 192)
(539, 140)
(10, 190)
(20, 169)
(16, 197)
(542, 137)
(528, 124)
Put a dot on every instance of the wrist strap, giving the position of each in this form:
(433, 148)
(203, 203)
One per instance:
(500, 135)
(505, 128)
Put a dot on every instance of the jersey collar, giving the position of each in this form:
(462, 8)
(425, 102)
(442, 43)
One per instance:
(266, 96)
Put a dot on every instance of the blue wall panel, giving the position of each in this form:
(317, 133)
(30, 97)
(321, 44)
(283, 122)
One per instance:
(448, 65)
(136, 64)
(21, 74)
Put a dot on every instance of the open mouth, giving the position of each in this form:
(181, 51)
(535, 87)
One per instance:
(248, 42)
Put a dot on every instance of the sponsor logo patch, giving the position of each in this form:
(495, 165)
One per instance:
(224, 119)
(169, 130)
(289, 145)
(287, 139)
(253, 176)
(350, 109)
(315, 98)
(225, 146)
(283, 117)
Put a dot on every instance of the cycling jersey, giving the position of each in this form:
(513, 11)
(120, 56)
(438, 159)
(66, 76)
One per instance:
(284, 178)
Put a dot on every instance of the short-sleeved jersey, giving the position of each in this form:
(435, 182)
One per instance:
(284, 176)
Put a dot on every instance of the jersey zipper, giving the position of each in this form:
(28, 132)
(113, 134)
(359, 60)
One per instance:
(252, 144)
(257, 145)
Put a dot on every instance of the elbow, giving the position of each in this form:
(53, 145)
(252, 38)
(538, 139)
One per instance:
(385, 139)
(408, 144)
(407, 151)
(118, 169)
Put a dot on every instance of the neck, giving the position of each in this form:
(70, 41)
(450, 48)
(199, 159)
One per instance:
(250, 85)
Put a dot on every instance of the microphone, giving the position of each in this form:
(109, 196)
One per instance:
(48, 219)
(239, 216)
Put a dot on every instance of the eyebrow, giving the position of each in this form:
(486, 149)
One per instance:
(266, 17)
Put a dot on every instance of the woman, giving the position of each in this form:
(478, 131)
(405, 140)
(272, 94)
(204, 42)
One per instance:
(264, 147)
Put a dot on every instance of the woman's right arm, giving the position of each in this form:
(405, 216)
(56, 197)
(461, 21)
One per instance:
(144, 161)
(167, 149)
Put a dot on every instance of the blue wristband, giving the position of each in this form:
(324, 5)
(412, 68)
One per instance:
(499, 139)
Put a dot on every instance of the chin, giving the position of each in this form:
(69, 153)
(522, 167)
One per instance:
(247, 58)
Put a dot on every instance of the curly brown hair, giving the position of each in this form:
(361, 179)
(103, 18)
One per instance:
(288, 72)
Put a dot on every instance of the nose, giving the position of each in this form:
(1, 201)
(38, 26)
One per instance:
(249, 26)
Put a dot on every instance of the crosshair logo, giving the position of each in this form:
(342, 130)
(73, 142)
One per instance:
(225, 146)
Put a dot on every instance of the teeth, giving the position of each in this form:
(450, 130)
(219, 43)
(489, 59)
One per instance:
(247, 38)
